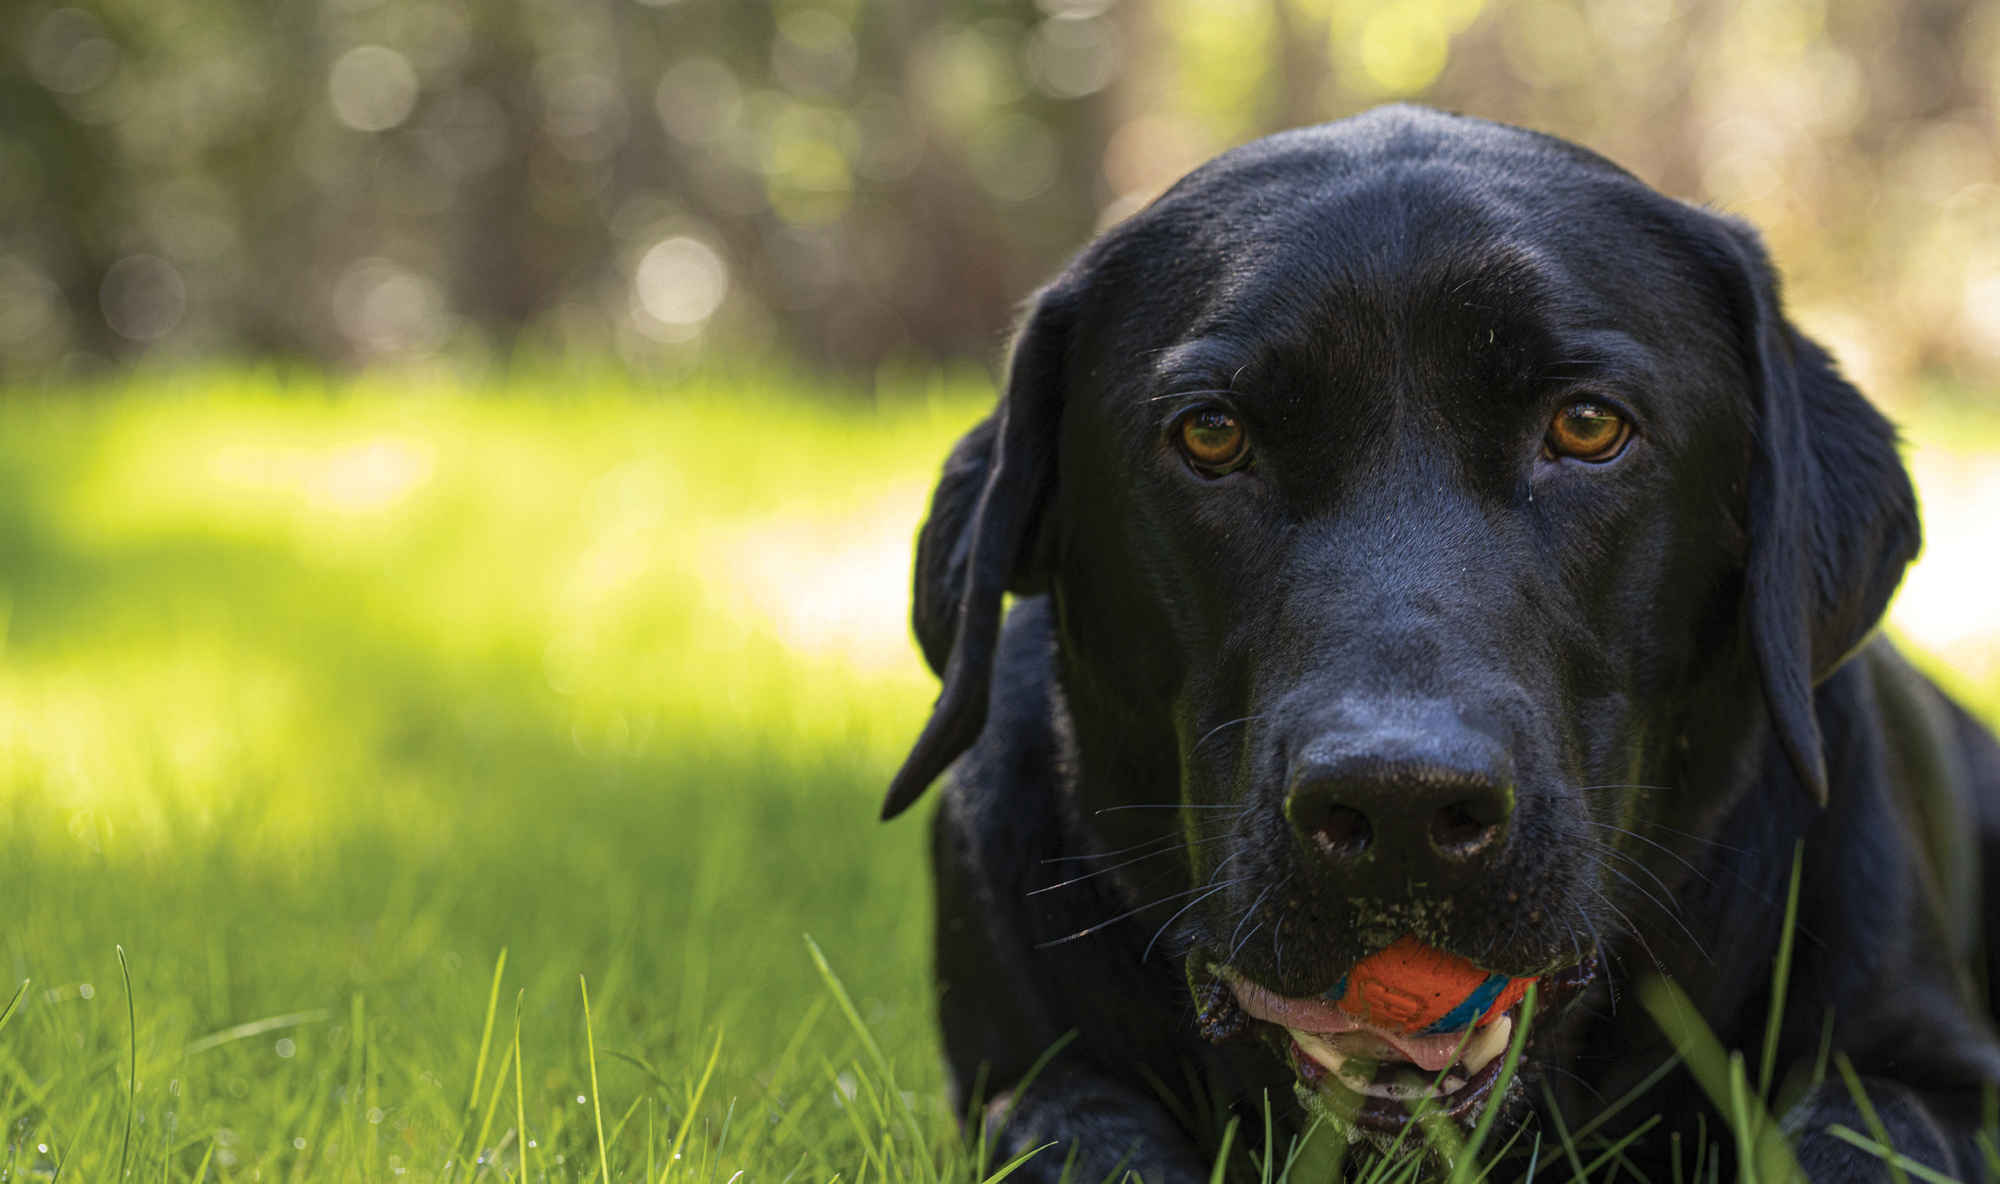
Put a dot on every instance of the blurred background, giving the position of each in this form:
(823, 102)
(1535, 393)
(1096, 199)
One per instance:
(459, 461)
(870, 186)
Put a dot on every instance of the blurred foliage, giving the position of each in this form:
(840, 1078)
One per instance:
(872, 184)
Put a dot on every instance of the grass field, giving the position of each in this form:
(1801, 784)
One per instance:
(314, 701)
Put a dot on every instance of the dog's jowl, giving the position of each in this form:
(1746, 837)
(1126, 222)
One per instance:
(1442, 578)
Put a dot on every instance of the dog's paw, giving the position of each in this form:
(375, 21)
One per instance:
(1826, 1158)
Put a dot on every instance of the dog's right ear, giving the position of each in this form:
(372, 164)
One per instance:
(980, 542)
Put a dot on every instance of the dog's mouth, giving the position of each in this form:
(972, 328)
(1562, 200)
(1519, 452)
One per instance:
(1372, 1077)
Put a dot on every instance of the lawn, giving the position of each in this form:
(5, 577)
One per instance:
(316, 699)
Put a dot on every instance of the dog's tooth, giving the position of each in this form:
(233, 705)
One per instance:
(1319, 1050)
(1487, 1043)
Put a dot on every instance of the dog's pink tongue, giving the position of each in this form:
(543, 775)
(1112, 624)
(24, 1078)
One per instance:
(1429, 1053)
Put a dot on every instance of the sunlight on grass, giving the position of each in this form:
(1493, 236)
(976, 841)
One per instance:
(313, 699)
(316, 697)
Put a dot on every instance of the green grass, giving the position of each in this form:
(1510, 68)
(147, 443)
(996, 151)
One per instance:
(279, 715)
(314, 699)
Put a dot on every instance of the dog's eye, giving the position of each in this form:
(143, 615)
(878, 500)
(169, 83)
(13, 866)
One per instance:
(1588, 432)
(1214, 441)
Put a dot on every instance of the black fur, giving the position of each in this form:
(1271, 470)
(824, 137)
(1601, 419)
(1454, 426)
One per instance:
(1665, 659)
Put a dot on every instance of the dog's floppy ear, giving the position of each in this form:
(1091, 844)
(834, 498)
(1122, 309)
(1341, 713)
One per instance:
(979, 542)
(1833, 519)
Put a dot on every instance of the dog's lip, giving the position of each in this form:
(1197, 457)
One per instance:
(1319, 1017)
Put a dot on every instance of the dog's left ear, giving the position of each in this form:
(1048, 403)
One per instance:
(1833, 519)
(980, 542)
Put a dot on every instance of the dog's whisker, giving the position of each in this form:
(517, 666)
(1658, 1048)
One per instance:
(1246, 937)
(1219, 727)
(1683, 834)
(1631, 925)
(1552, 1067)
(1216, 871)
(1163, 806)
(1127, 863)
(1173, 834)
(1575, 946)
(1142, 908)
(1186, 395)
(1642, 838)
(1614, 853)
(1234, 943)
(1157, 933)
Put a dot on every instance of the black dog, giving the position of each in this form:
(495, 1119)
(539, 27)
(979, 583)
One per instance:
(1421, 527)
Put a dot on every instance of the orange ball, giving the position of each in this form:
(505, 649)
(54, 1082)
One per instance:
(1414, 988)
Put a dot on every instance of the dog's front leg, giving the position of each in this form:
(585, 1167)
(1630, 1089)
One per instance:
(1109, 1129)
(1912, 1127)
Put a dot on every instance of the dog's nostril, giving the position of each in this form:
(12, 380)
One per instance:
(1457, 829)
(1343, 832)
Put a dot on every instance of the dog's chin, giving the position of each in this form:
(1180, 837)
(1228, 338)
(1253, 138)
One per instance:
(1370, 1080)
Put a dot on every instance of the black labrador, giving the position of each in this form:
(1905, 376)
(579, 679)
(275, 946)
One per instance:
(1421, 527)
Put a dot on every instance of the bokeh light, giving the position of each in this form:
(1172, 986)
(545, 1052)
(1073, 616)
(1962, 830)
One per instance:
(489, 150)
(372, 88)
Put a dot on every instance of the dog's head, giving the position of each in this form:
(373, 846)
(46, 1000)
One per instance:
(1425, 506)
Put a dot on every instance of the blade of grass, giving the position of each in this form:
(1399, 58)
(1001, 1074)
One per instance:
(479, 1069)
(492, 1105)
(787, 1062)
(520, 1098)
(1895, 1159)
(1008, 1169)
(1677, 1016)
(499, 1149)
(642, 1065)
(721, 1140)
(257, 1028)
(596, 1104)
(1616, 1150)
(1562, 1132)
(1118, 1169)
(1868, 1115)
(1631, 1095)
(619, 1130)
(1825, 1050)
(15, 1002)
(132, 1090)
(1740, 1122)
(694, 1106)
(927, 1168)
(1460, 1169)
(1781, 972)
(1034, 1071)
(871, 1154)
(1991, 1151)
(201, 1172)
(1264, 1174)
(1221, 1168)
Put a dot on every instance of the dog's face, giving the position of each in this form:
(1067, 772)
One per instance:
(1408, 491)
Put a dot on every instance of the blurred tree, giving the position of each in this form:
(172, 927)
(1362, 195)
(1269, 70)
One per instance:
(870, 184)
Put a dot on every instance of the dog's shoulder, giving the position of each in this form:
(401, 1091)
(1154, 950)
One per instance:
(1933, 753)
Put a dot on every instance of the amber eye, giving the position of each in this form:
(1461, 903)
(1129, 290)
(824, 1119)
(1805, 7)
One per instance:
(1588, 432)
(1214, 441)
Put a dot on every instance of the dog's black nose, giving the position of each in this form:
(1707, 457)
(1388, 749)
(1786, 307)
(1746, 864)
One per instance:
(1402, 811)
